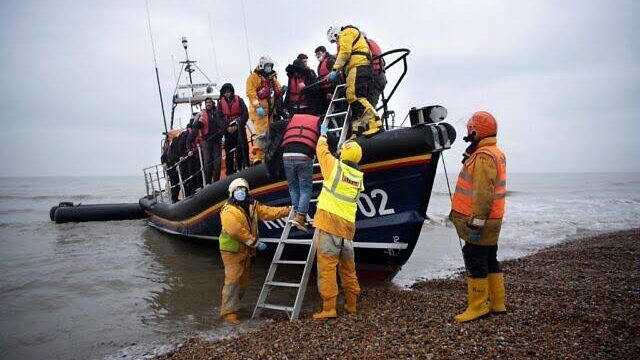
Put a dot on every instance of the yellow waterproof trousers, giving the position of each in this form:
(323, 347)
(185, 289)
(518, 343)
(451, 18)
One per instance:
(236, 279)
(334, 251)
(359, 86)
(261, 127)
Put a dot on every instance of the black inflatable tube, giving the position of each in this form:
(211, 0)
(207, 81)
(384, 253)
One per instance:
(388, 145)
(98, 212)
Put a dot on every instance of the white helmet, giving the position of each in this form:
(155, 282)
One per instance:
(236, 183)
(332, 33)
(264, 60)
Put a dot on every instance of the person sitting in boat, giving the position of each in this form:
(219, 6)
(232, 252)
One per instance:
(354, 60)
(234, 112)
(325, 64)
(238, 242)
(263, 90)
(211, 128)
(298, 100)
(299, 144)
(335, 222)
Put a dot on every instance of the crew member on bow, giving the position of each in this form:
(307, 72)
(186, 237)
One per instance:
(354, 59)
(234, 112)
(477, 211)
(263, 90)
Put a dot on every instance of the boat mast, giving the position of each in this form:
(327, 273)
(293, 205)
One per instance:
(188, 66)
(155, 62)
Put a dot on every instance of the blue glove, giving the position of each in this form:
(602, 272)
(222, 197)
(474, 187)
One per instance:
(261, 246)
(333, 75)
(324, 129)
(261, 111)
(474, 234)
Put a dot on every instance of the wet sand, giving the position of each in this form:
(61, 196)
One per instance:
(579, 299)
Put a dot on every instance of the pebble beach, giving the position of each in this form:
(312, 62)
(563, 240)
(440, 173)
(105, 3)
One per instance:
(576, 300)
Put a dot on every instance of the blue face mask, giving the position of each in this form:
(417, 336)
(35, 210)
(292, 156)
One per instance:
(240, 194)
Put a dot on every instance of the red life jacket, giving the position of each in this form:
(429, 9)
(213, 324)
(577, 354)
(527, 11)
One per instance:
(230, 112)
(204, 119)
(323, 71)
(266, 87)
(378, 64)
(296, 84)
(302, 129)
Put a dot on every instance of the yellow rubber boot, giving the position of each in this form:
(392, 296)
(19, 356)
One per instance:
(328, 310)
(477, 300)
(350, 302)
(497, 293)
(231, 319)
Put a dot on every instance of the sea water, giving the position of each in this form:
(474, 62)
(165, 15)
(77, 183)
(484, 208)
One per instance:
(122, 290)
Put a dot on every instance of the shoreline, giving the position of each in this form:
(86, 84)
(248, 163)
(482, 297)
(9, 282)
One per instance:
(576, 299)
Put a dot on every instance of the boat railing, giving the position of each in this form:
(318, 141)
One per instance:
(158, 183)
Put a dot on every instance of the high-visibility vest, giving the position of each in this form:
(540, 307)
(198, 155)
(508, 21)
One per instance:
(228, 242)
(340, 191)
(463, 197)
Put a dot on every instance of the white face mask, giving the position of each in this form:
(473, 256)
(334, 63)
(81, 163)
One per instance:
(320, 57)
(268, 68)
(240, 194)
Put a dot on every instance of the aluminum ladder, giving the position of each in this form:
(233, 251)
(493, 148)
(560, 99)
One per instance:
(293, 312)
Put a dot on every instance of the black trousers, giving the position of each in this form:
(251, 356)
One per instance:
(174, 180)
(193, 163)
(231, 161)
(212, 158)
(481, 260)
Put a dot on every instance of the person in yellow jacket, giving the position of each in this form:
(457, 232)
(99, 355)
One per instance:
(238, 242)
(263, 89)
(477, 211)
(354, 60)
(335, 221)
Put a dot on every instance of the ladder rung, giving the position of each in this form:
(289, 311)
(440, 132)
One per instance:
(313, 200)
(282, 284)
(277, 307)
(318, 181)
(339, 99)
(296, 242)
(290, 262)
(341, 113)
(336, 129)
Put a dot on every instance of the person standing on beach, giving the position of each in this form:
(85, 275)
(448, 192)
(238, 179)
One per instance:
(238, 242)
(477, 211)
(335, 220)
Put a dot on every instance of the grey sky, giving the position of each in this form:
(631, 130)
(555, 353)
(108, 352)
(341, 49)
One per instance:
(79, 96)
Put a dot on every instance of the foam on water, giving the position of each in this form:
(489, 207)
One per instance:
(120, 289)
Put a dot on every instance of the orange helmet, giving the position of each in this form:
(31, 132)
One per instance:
(483, 124)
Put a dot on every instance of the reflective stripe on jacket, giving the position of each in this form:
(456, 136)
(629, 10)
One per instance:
(340, 191)
(241, 229)
(469, 198)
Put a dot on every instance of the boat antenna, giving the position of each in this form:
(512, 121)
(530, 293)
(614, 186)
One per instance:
(246, 35)
(213, 48)
(155, 62)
